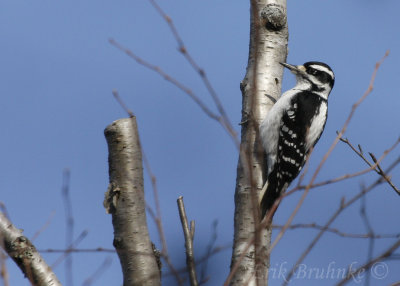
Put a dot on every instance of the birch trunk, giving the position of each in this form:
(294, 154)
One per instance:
(260, 87)
(125, 201)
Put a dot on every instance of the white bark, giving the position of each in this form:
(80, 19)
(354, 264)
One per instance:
(25, 255)
(261, 85)
(125, 201)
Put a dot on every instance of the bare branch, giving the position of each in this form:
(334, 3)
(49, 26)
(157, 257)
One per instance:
(73, 245)
(367, 223)
(182, 48)
(25, 255)
(187, 232)
(122, 103)
(343, 205)
(99, 271)
(337, 231)
(44, 227)
(387, 253)
(69, 224)
(78, 250)
(375, 166)
(167, 77)
(210, 248)
(372, 167)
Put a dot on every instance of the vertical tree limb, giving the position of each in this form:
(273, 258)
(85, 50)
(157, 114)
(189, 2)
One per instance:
(25, 255)
(124, 199)
(188, 232)
(260, 87)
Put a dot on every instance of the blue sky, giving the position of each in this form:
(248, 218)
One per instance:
(57, 72)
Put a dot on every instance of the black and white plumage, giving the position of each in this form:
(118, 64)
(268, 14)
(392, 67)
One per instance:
(292, 127)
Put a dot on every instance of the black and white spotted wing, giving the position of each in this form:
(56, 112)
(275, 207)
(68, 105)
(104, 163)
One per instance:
(292, 152)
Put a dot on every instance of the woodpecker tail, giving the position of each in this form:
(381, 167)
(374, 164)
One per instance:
(270, 194)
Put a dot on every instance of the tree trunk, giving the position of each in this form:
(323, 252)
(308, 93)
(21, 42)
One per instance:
(260, 87)
(125, 201)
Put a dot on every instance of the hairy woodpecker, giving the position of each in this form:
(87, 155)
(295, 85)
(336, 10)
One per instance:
(292, 127)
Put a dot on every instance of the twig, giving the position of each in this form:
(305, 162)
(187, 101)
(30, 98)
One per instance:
(3, 268)
(122, 103)
(337, 231)
(182, 49)
(387, 253)
(76, 250)
(156, 216)
(363, 214)
(372, 167)
(44, 227)
(99, 271)
(210, 249)
(69, 247)
(375, 166)
(203, 259)
(179, 85)
(343, 205)
(69, 225)
(188, 243)
(164, 251)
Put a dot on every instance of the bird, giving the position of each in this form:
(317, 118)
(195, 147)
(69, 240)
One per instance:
(292, 127)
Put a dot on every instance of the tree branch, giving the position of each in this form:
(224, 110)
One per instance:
(124, 199)
(188, 232)
(25, 255)
(387, 253)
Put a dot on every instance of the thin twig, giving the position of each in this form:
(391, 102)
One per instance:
(155, 216)
(3, 268)
(167, 77)
(343, 205)
(182, 49)
(363, 214)
(204, 258)
(122, 103)
(387, 253)
(190, 263)
(71, 246)
(44, 227)
(69, 222)
(99, 271)
(76, 250)
(337, 231)
(158, 221)
(374, 166)
(210, 248)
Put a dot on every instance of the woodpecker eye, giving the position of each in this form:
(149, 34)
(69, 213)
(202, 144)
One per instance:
(313, 71)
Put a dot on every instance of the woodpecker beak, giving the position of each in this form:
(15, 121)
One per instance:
(294, 69)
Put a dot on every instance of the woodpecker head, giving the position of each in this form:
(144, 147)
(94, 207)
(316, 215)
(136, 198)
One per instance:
(314, 76)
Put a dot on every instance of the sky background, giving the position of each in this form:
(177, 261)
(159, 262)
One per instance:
(57, 73)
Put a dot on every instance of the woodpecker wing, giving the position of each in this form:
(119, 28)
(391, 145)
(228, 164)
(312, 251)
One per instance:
(295, 129)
